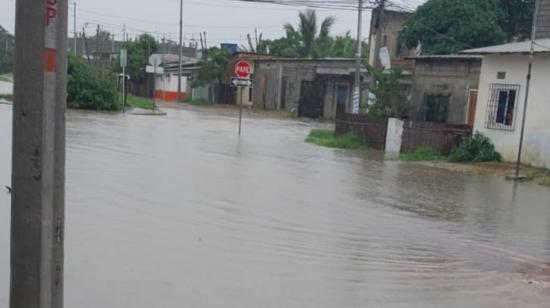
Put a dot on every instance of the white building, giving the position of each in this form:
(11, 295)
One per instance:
(166, 83)
(500, 104)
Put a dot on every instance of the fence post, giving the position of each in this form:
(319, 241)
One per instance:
(394, 136)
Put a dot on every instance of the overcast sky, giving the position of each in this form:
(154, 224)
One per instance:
(224, 20)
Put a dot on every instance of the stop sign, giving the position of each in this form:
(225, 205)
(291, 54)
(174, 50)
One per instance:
(242, 69)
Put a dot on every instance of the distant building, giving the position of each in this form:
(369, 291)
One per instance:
(314, 88)
(166, 84)
(444, 88)
(386, 47)
(233, 48)
(543, 24)
(501, 100)
(106, 48)
(231, 95)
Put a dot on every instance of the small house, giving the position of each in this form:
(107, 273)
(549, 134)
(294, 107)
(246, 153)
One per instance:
(502, 93)
(314, 88)
(444, 88)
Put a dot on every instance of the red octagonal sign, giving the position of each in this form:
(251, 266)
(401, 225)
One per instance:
(243, 69)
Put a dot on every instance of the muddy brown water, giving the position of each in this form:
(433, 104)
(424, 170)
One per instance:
(177, 211)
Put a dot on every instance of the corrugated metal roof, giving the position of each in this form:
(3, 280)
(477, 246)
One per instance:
(446, 57)
(308, 60)
(542, 45)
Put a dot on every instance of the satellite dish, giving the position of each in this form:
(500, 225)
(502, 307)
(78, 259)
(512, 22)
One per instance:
(155, 58)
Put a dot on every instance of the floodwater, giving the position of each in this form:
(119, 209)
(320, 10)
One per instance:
(177, 211)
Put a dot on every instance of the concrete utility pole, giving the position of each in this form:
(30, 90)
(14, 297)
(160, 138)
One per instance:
(381, 25)
(528, 85)
(74, 27)
(38, 154)
(357, 86)
(178, 97)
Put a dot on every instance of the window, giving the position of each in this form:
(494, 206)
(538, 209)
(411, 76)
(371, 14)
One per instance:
(502, 106)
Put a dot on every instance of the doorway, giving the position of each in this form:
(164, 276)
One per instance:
(311, 103)
(342, 97)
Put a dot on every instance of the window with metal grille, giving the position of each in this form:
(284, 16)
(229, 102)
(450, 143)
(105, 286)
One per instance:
(501, 110)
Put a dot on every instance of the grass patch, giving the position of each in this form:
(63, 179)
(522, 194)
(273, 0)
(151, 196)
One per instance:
(328, 139)
(140, 102)
(197, 102)
(5, 78)
(8, 97)
(422, 154)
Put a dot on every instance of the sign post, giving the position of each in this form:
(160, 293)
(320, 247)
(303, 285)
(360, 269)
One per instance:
(123, 64)
(242, 71)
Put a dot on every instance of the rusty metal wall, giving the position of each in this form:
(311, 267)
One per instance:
(438, 136)
(370, 129)
(416, 134)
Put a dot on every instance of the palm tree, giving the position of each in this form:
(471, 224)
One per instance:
(309, 41)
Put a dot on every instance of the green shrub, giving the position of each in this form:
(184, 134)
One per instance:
(8, 97)
(477, 148)
(88, 89)
(422, 154)
(327, 138)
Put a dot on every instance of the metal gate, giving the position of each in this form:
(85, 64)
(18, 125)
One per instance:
(311, 102)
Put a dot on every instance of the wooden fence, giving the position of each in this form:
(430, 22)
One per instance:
(438, 136)
(416, 134)
(370, 129)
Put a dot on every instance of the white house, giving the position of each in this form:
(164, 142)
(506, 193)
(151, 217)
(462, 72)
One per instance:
(501, 99)
(166, 82)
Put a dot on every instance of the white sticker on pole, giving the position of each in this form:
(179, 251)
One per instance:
(123, 58)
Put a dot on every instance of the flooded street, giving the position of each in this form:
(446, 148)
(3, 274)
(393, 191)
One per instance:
(177, 211)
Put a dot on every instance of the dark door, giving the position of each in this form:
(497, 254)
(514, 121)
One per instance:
(283, 93)
(342, 96)
(311, 100)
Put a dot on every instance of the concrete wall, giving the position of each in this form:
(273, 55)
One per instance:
(447, 77)
(394, 135)
(537, 134)
(385, 30)
(166, 87)
(269, 77)
(543, 30)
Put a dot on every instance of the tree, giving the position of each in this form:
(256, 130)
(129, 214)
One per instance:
(284, 47)
(346, 47)
(449, 26)
(311, 42)
(7, 42)
(516, 18)
(391, 100)
(88, 89)
(213, 66)
(139, 51)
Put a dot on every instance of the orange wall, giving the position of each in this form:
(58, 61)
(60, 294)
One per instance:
(171, 96)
